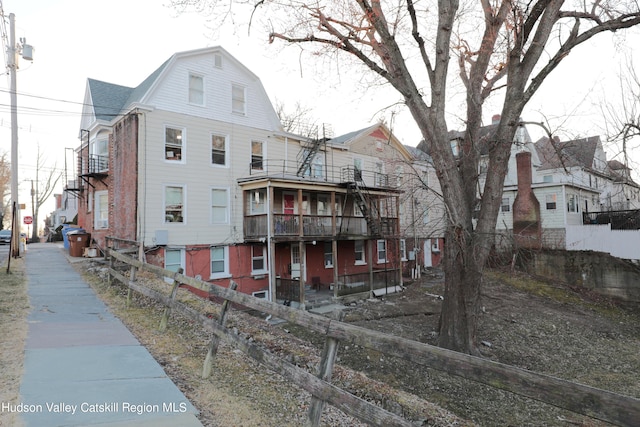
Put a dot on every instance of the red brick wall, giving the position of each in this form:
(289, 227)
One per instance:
(123, 168)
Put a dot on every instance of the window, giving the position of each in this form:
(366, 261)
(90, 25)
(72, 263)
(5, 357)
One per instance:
(382, 251)
(328, 255)
(454, 147)
(101, 216)
(99, 156)
(219, 261)
(380, 178)
(173, 144)
(572, 205)
(359, 252)
(425, 215)
(219, 206)
(403, 249)
(324, 207)
(547, 178)
(399, 176)
(173, 204)
(238, 99)
(484, 166)
(256, 155)
(550, 201)
(196, 89)
(173, 260)
(506, 206)
(218, 150)
(258, 264)
(357, 169)
(257, 202)
(318, 166)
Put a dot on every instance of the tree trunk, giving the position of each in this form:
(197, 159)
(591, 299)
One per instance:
(463, 277)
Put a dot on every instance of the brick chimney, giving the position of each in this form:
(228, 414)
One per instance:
(527, 227)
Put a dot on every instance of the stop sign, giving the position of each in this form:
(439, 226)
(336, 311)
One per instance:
(28, 220)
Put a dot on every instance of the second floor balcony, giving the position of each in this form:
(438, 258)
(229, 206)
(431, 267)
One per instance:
(93, 165)
(313, 226)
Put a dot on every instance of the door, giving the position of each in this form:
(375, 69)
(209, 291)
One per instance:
(427, 253)
(295, 261)
(289, 203)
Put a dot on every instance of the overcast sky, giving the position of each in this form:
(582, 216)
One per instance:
(123, 41)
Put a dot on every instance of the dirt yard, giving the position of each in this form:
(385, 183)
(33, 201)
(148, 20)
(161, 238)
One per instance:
(527, 323)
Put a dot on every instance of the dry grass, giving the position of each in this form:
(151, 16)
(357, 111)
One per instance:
(240, 392)
(14, 307)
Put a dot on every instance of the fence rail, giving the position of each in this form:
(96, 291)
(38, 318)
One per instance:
(600, 404)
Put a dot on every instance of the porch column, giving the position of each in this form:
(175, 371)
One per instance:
(271, 246)
(370, 244)
(303, 271)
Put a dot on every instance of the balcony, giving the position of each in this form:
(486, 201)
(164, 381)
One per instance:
(313, 226)
(94, 166)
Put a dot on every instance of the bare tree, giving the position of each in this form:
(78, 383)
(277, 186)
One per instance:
(505, 48)
(623, 117)
(41, 190)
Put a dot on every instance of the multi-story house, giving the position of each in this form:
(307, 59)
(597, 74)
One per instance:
(193, 163)
(66, 208)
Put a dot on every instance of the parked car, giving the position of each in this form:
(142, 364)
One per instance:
(5, 237)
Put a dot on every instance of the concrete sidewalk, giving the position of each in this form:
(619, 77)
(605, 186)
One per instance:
(82, 366)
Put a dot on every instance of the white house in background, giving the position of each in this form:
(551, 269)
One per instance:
(66, 208)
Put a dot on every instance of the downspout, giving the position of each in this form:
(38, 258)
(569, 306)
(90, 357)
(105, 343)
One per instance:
(564, 211)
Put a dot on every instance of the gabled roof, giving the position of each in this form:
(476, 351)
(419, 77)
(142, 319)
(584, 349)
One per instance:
(556, 154)
(380, 129)
(107, 98)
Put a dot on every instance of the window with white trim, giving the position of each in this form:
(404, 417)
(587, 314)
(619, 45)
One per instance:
(219, 205)
(506, 205)
(218, 150)
(256, 155)
(551, 201)
(174, 203)
(572, 204)
(196, 89)
(238, 99)
(257, 202)
(382, 251)
(101, 215)
(174, 144)
(219, 262)
(173, 259)
(258, 259)
(359, 252)
(403, 249)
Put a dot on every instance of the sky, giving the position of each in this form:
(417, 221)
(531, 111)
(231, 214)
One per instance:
(122, 42)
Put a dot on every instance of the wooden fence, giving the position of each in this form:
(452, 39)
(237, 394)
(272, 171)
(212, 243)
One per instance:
(600, 404)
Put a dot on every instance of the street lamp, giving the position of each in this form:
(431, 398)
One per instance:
(26, 51)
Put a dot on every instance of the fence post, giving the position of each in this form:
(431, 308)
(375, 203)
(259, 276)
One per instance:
(325, 370)
(215, 341)
(167, 310)
(132, 278)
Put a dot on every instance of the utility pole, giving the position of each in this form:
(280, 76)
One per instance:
(12, 65)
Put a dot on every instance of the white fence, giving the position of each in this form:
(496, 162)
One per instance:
(601, 238)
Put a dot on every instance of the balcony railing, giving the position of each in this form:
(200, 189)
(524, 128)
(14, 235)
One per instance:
(93, 165)
(256, 226)
(360, 282)
(332, 174)
(619, 220)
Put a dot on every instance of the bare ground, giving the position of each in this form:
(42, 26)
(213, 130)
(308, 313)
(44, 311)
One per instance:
(534, 325)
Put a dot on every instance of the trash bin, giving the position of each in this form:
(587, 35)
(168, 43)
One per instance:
(66, 229)
(78, 240)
